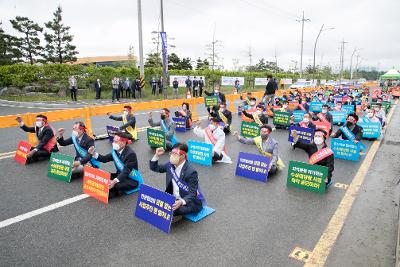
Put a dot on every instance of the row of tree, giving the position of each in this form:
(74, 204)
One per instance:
(57, 49)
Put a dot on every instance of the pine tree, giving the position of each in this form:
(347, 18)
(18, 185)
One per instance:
(59, 48)
(9, 52)
(29, 45)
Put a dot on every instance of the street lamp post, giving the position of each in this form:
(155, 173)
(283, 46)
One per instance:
(316, 40)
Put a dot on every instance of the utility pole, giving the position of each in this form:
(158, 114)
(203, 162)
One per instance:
(276, 62)
(316, 40)
(165, 60)
(351, 63)
(141, 64)
(302, 42)
(341, 59)
(250, 55)
(357, 63)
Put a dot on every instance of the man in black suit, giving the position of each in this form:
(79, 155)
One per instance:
(269, 95)
(221, 96)
(45, 136)
(181, 180)
(121, 181)
(351, 124)
(97, 86)
(82, 145)
(223, 115)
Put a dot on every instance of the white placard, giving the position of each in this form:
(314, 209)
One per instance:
(260, 81)
(287, 81)
(231, 80)
(181, 80)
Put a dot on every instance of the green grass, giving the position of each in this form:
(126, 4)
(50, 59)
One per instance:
(91, 94)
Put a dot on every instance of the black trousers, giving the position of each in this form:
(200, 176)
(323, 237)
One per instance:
(98, 93)
(122, 186)
(73, 94)
(201, 91)
(195, 92)
(153, 90)
(39, 155)
(115, 94)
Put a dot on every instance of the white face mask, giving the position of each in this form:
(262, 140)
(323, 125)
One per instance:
(306, 120)
(184, 107)
(75, 133)
(258, 112)
(39, 124)
(222, 109)
(284, 106)
(125, 112)
(318, 140)
(324, 111)
(212, 127)
(252, 103)
(116, 146)
(174, 159)
(216, 91)
(370, 114)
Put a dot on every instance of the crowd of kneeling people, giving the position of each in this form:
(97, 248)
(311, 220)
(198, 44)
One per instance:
(178, 170)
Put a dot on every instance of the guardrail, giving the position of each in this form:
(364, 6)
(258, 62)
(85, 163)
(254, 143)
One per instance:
(87, 112)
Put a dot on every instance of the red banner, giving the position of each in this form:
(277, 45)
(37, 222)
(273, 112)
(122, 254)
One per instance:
(95, 183)
(326, 126)
(22, 151)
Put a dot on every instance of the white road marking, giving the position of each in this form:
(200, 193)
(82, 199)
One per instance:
(48, 208)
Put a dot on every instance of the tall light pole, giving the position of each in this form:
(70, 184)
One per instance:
(302, 20)
(316, 40)
(141, 64)
(351, 62)
(341, 59)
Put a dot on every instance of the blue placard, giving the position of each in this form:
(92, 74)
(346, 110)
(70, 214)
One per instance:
(316, 106)
(252, 166)
(200, 152)
(371, 129)
(339, 116)
(155, 207)
(306, 135)
(180, 124)
(111, 131)
(348, 108)
(337, 98)
(298, 115)
(345, 149)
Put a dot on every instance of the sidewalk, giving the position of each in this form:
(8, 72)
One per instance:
(369, 235)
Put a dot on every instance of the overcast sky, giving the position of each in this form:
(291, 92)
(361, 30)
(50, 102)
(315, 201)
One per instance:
(108, 28)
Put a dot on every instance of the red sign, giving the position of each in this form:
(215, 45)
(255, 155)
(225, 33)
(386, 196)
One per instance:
(95, 183)
(22, 151)
(326, 126)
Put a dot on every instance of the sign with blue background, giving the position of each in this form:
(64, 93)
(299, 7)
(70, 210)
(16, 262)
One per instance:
(316, 106)
(200, 152)
(155, 207)
(345, 149)
(338, 116)
(348, 108)
(298, 115)
(306, 135)
(371, 129)
(252, 166)
(180, 124)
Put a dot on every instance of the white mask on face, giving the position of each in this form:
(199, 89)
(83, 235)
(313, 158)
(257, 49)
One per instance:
(75, 133)
(324, 111)
(216, 91)
(39, 124)
(318, 140)
(222, 109)
(252, 103)
(370, 114)
(212, 127)
(174, 159)
(306, 120)
(258, 112)
(116, 146)
(125, 112)
(284, 106)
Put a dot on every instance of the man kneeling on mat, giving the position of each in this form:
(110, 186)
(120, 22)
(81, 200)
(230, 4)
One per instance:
(125, 161)
(181, 180)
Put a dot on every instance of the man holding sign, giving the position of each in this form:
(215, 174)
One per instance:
(258, 116)
(127, 177)
(167, 125)
(214, 135)
(129, 122)
(350, 131)
(181, 180)
(224, 115)
(267, 146)
(318, 152)
(82, 142)
(45, 136)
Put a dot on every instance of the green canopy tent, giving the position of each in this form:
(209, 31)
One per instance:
(391, 75)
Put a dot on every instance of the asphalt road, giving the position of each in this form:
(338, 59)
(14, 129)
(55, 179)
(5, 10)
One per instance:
(254, 224)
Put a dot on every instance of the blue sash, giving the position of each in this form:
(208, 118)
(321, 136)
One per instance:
(365, 119)
(134, 175)
(83, 153)
(165, 129)
(183, 186)
(346, 131)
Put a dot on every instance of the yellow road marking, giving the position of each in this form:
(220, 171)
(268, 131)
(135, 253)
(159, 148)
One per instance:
(335, 225)
(300, 254)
